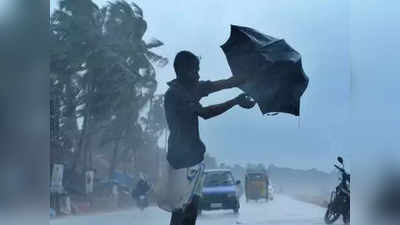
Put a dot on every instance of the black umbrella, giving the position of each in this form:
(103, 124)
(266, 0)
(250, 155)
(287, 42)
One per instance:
(277, 80)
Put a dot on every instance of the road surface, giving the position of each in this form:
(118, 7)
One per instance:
(281, 211)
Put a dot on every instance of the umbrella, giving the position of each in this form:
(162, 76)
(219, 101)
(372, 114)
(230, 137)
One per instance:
(276, 77)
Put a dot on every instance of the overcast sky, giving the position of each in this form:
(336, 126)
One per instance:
(351, 105)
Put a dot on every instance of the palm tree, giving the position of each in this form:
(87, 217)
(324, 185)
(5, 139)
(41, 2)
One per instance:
(125, 28)
(100, 58)
(74, 35)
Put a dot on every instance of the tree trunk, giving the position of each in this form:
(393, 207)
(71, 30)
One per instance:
(114, 157)
(70, 114)
(54, 130)
(90, 157)
(86, 156)
(85, 127)
(82, 138)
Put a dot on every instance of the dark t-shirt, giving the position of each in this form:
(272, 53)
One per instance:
(185, 149)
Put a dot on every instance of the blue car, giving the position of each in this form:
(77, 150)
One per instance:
(220, 191)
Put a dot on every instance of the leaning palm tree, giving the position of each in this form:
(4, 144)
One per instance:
(107, 68)
(76, 40)
(71, 43)
(124, 28)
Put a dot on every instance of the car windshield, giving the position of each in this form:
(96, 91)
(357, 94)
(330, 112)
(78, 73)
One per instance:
(218, 179)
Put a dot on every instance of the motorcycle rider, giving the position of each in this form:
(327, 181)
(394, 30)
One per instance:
(142, 187)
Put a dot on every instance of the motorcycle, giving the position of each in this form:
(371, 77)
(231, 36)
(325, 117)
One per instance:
(339, 204)
(142, 201)
(140, 194)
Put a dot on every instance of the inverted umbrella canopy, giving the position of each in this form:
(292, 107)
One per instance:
(276, 77)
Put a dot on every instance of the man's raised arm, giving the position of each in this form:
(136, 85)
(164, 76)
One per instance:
(231, 82)
(215, 110)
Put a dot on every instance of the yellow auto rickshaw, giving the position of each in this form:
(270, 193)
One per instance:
(256, 185)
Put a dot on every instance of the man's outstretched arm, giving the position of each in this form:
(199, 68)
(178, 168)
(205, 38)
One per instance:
(215, 110)
(231, 82)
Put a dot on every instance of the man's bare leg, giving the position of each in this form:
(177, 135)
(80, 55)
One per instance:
(190, 214)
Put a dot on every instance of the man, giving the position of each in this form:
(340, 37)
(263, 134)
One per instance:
(182, 109)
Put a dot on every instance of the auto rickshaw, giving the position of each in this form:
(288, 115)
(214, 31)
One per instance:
(256, 185)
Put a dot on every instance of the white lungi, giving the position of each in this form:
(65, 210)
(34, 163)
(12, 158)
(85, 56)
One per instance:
(175, 188)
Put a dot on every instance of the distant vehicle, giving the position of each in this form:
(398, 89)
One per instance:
(142, 201)
(140, 193)
(256, 185)
(220, 191)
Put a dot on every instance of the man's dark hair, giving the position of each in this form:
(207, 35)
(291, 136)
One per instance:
(184, 62)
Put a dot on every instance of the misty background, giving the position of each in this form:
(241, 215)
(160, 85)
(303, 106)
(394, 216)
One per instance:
(369, 131)
(320, 31)
(351, 106)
